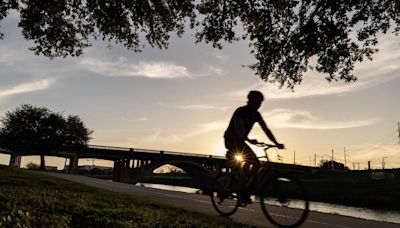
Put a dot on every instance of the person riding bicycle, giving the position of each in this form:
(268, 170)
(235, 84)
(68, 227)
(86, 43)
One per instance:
(236, 136)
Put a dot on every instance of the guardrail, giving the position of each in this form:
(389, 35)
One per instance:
(5, 150)
(125, 149)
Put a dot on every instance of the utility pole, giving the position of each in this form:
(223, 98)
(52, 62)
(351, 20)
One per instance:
(294, 157)
(398, 129)
(332, 161)
(315, 160)
(354, 166)
(345, 162)
(383, 162)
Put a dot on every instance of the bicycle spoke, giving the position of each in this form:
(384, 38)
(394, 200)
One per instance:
(284, 202)
(224, 194)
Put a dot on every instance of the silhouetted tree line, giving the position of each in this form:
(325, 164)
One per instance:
(332, 165)
(286, 37)
(37, 129)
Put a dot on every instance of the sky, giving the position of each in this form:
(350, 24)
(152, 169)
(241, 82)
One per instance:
(181, 99)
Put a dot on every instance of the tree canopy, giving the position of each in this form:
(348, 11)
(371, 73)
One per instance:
(286, 37)
(37, 129)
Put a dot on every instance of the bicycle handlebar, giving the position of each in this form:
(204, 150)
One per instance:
(266, 145)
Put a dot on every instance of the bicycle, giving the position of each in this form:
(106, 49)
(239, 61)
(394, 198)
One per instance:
(282, 197)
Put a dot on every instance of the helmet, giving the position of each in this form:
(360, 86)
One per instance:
(255, 96)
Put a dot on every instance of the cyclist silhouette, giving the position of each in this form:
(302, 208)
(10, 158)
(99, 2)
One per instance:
(236, 136)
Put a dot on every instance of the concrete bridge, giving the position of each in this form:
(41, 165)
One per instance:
(130, 164)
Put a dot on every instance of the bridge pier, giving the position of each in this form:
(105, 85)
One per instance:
(15, 160)
(122, 170)
(73, 163)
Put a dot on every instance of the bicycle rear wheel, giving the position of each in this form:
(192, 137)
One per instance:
(284, 201)
(224, 195)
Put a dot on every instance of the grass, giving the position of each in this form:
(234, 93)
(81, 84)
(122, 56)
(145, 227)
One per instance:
(30, 199)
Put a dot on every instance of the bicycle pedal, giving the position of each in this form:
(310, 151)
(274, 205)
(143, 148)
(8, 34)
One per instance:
(242, 204)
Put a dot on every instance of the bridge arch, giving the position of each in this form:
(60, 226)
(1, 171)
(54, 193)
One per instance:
(201, 176)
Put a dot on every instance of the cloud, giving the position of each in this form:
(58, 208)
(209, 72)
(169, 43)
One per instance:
(27, 87)
(149, 69)
(122, 67)
(315, 85)
(220, 56)
(134, 120)
(284, 118)
(202, 107)
(161, 137)
(206, 128)
(214, 70)
(384, 67)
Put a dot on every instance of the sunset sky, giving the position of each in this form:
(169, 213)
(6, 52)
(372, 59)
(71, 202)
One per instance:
(182, 98)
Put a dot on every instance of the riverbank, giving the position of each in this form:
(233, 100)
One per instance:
(350, 188)
(373, 189)
(355, 188)
(30, 199)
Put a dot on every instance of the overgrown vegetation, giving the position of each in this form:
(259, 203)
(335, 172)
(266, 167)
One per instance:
(355, 188)
(352, 188)
(29, 199)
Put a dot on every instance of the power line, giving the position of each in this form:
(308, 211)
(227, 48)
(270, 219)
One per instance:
(378, 142)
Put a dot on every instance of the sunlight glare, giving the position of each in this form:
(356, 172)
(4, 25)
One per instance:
(238, 158)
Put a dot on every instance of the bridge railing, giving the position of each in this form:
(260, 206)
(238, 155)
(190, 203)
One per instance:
(125, 149)
(108, 147)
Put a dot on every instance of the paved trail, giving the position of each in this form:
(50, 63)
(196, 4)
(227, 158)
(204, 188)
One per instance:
(251, 214)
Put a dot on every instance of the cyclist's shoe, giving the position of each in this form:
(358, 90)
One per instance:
(242, 204)
(244, 200)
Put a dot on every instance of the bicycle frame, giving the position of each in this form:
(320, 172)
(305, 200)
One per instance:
(262, 175)
(276, 190)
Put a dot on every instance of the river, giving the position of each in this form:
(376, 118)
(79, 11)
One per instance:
(356, 212)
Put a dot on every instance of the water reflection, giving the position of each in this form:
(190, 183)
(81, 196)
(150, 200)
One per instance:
(170, 187)
(363, 213)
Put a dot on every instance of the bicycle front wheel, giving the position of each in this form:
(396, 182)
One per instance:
(224, 195)
(284, 201)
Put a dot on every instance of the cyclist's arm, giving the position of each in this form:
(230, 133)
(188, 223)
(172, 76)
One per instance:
(267, 131)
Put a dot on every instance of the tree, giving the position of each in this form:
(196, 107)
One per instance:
(332, 165)
(32, 165)
(287, 37)
(37, 129)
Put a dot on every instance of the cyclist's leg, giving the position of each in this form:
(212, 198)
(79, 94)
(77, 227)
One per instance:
(254, 165)
(251, 161)
(236, 147)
